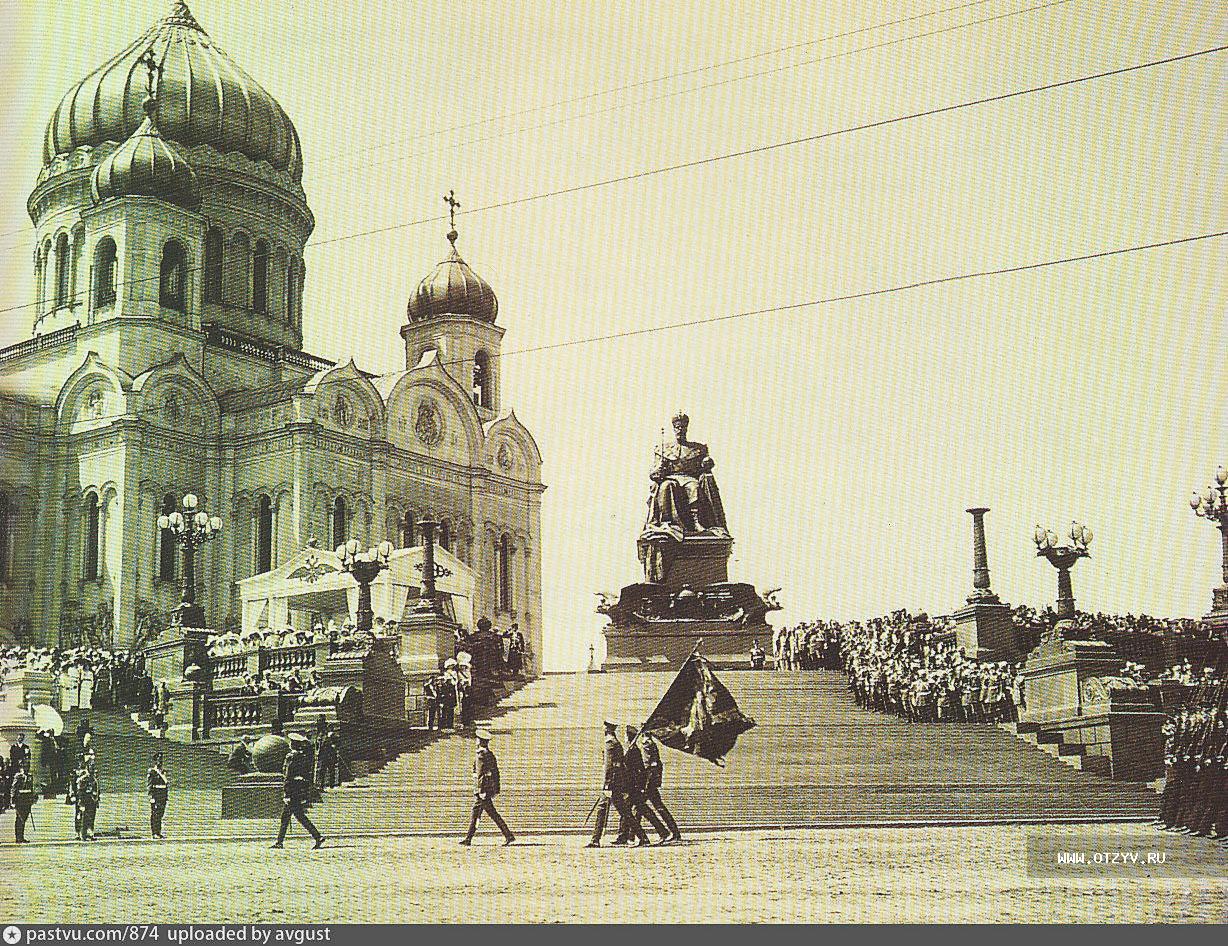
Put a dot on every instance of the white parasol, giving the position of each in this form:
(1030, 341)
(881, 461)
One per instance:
(45, 717)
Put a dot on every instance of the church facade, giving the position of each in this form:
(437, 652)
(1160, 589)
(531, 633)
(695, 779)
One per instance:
(166, 357)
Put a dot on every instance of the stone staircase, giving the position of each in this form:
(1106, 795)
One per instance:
(815, 759)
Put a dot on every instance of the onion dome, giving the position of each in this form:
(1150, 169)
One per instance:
(147, 165)
(204, 99)
(453, 288)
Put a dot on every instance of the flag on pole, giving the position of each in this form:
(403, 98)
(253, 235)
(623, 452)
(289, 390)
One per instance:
(697, 714)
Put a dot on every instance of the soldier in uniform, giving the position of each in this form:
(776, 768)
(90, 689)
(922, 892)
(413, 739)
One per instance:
(635, 777)
(613, 790)
(486, 787)
(5, 785)
(296, 789)
(757, 656)
(329, 762)
(430, 696)
(86, 796)
(447, 694)
(652, 788)
(23, 795)
(159, 789)
(19, 752)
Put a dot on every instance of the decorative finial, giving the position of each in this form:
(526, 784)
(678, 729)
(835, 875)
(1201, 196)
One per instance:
(150, 62)
(453, 206)
(180, 15)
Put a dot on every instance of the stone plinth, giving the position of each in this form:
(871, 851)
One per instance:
(185, 720)
(984, 631)
(1055, 673)
(24, 688)
(427, 639)
(376, 673)
(697, 560)
(166, 660)
(255, 795)
(666, 645)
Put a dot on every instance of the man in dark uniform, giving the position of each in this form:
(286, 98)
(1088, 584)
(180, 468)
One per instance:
(614, 791)
(652, 788)
(23, 795)
(329, 764)
(430, 696)
(6, 778)
(635, 777)
(486, 787)
(86, 796)
(159, 789)
(296, 788)
(19, 752)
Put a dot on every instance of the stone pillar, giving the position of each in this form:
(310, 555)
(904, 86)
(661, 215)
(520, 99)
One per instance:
(983, 627)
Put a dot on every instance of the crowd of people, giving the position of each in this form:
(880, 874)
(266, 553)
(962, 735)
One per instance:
(83, 677)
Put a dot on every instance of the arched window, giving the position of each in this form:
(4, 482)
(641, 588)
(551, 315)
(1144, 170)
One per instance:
(61, 270)
(408, 528)
(505, 573)
(260, 277)
(174, 271)
(213, 265)
(238, 271)
(481, 380)
(341, 521)
(445, 534)
(292, 292)
(264, 535)
(91, 523)
(6, 537)
(166, 542)
(104, 272)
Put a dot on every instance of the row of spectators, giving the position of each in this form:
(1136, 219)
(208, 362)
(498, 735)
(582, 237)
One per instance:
(84, 677)
(273, 681)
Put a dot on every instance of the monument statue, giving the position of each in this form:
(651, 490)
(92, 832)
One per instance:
(685, 548)
(684, 493)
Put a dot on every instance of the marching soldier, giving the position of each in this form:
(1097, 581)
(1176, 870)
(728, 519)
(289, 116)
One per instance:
(22, 791)
(296, 789)
(635, 777)
(613, 790)
(654, 771)
(87, 798)
(159, 789)
(486, 787)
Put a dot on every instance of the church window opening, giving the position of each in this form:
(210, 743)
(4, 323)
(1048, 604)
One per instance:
(407, 530)
(104, 272)
(481, 380)
(174, 270)
(341, 521)
(260, 277)
(505, 572)
(61, 270)
(92, 524)
(166, 543)
(264, 535)
(6, 536)
(292, 293)
(213, 265)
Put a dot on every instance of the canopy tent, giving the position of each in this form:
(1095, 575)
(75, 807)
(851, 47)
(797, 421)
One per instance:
(313, 583)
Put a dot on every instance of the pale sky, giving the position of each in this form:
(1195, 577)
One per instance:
(849, 438)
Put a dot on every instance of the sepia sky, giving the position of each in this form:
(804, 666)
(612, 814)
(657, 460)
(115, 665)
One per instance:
(848, 437)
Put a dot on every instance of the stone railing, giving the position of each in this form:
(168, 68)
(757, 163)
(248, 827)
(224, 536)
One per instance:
(278, 354)
(230, 667)
(282, 659)
(38, 343)
(249, 711)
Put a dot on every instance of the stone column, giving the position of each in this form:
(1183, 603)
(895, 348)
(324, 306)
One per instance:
(980, 558)
(983, 627)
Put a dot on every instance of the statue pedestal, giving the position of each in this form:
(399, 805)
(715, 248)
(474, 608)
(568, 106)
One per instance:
(166, 660)
(376, 673)
(984, 631)
(1055, 675)
(1216, 622)
(697, 560)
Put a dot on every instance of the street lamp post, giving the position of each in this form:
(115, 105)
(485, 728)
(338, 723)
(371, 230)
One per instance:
(1212, 504)
(365, 567)
(429, 602)
(191, 528)
(1063, 557)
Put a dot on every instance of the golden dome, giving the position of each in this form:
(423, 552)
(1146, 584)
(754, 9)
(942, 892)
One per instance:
(203, 99)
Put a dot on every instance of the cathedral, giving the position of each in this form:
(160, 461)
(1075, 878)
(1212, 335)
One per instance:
(166, 357)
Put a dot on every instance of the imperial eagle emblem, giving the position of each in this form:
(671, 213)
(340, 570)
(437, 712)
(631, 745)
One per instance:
(312, 570)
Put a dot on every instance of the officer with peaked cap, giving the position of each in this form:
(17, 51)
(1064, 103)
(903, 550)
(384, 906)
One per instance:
(296, 789)
(486, 787)
(614, 790)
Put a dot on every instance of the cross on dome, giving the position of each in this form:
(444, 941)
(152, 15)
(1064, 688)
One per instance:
(453, 206)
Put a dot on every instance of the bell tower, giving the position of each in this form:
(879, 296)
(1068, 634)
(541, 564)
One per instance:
(453, 312)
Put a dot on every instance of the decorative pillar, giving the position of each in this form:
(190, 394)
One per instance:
(983, 627)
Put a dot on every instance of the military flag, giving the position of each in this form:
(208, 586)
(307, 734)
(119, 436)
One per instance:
(697, 714)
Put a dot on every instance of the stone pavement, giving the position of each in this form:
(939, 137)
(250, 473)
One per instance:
(965, 874)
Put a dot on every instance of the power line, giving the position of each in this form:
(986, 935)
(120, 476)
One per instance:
(865, 294)
(748, 152)
(610, 91)
(763, 149)
(653, 81)
(621, 106)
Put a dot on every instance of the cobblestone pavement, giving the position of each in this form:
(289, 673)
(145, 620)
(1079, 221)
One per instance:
(972, 874)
